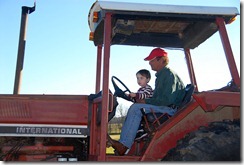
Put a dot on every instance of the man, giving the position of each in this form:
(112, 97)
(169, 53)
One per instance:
(167, 96)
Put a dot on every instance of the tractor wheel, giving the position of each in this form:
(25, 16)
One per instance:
(220, 141)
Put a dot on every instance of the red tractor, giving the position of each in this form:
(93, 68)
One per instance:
(74, 127)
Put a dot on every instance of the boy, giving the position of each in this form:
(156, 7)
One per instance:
(145, 91)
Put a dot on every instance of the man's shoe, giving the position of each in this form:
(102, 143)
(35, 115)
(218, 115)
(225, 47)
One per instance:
(119, 147)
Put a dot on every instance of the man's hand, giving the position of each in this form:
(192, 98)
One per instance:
(141, 101)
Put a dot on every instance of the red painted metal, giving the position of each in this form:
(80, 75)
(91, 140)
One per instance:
(35, 158)
(99, 66)
(94, 139)
(183, 122)
(210, 100)
(44, 109)
(113, 158)
(105, 89)
(95, 129)
(40, 149)
(152, 151)
(190, 68)
(93, 132)
(36, 152)
(228, 51)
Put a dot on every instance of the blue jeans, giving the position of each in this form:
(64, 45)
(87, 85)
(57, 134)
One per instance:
(133, 120)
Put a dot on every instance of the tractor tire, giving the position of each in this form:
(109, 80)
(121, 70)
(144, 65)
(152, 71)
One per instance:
(220, 141)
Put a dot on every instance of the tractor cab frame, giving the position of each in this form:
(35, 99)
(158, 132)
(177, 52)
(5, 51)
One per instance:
(170, 26)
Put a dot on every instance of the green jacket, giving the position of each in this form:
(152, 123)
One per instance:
(169, 89)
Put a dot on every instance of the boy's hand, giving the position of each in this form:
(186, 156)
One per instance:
(132, 94)
(141, 101)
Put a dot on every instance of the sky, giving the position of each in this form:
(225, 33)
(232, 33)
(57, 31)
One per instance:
(60, 59)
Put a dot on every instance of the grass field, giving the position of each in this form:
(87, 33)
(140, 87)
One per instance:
(110, 150)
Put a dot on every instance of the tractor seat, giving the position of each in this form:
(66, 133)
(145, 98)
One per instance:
(162, 117)
(151, 118)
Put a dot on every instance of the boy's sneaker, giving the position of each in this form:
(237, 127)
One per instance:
(140, 130)
(140, 135)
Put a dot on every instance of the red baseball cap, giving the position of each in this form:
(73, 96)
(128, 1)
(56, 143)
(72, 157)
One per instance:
(157, 52)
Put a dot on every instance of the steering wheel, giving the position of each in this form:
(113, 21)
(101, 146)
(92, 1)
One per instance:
(120, 93)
